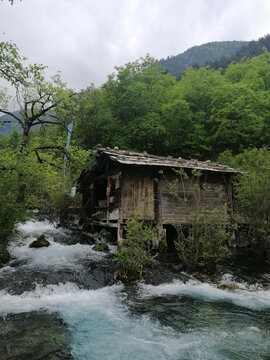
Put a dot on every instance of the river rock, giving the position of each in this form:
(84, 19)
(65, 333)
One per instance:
(101, 246)
(40, 242)
(32, 336)
(227, 286)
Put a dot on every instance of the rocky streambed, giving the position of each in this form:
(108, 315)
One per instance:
(62, 302)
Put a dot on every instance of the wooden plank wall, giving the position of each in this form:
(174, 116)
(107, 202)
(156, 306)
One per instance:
(209, 190)
(137, 185)
(171, 208)
(213, 189)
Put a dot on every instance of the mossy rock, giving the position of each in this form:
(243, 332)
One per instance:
(126, 276)
(101, 246)
(4, 256)
(120, 274)
(40, 242)
(214, 279)
(227, 286)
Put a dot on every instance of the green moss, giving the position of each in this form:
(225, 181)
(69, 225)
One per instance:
(40, 242)
(101, 247)
(57, 338)
(227, 286)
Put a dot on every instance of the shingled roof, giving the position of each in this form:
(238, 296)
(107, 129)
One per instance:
(145, 159)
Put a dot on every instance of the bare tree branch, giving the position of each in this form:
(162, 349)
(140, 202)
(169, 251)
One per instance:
(53, 147)
(12, 115)
(41, 161)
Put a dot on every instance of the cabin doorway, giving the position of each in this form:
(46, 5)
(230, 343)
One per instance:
(171, 237)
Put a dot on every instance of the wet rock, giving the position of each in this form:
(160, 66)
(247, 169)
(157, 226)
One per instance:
(90, 275)
(40, 242)
(214, 279)
(166, 268)
(101, 246)
(227, 286)
(4, 257)
(74, 237)
(31, 336)
(161, 274)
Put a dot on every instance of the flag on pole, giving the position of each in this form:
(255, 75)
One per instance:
(70, 126)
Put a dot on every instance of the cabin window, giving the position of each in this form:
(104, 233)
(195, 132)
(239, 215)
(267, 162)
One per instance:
(113, 184)
(100, 193)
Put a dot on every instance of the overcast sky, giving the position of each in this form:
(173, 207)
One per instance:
(85, 39)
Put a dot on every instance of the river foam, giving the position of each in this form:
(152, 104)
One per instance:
(173, 321)
(56, 255)
(250, 298)
(103, 327)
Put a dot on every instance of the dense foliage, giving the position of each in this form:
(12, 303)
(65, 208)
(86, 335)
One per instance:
(252, 198)
(204, 243)
(142, 108)
(215, 54)
(31, 162)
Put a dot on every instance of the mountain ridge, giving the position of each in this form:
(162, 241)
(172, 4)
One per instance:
(199, 55)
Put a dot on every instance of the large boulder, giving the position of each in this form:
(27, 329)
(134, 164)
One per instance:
(40, 242)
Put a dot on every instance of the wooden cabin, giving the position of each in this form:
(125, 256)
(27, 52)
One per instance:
(164, 190)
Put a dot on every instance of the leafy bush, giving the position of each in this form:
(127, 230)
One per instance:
(253, 196)
(204, 241)
(63, 206)
(135, 252)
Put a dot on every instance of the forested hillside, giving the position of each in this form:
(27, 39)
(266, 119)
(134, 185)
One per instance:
(200, 55)
(248, 50)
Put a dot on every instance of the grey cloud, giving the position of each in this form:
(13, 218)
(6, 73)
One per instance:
(85, 39)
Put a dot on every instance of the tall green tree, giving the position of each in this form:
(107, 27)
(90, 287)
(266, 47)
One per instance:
(134, 95)
(93, 119)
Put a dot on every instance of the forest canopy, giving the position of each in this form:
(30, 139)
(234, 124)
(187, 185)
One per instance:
(208, 111)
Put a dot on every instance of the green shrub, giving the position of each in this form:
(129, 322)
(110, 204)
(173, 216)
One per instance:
(205, 241)
(135, 252)
(63, 206)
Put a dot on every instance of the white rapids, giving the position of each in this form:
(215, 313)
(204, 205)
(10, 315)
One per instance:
(174, 321)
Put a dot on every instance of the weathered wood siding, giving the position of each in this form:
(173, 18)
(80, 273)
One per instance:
(208, 190)
(171, 194)
(137, 189)
(213, 188)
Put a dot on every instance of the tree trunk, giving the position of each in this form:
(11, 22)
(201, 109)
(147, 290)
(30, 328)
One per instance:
(25, 140)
